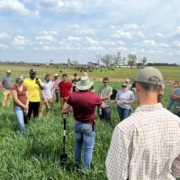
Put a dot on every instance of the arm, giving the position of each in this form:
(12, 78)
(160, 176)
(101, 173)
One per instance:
(43, 96)
(175, 97)
(27, 96)
(176, 167)
(129, 102)
(39, 84)
(1, 86)
(67, 108)
(102, 105)
(52, 90)
(118, 158)
(93, 90)
(14, 94)
(106, 97)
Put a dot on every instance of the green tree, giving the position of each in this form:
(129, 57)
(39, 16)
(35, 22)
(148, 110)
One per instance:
(144, 60)
(107, 59)
(132, 59)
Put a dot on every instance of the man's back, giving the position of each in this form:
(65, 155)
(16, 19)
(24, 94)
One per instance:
(146, 144)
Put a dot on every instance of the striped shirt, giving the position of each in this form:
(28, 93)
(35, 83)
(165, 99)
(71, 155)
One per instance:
(145, 146)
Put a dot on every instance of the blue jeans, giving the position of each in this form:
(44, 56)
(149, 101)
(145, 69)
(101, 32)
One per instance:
(84, 134)
(20, 117)
(123, 113)
(171, 102)
(56, 95)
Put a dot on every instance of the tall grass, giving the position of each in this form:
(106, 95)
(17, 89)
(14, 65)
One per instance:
(37, 156)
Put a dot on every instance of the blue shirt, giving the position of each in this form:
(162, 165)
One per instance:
(121, 96)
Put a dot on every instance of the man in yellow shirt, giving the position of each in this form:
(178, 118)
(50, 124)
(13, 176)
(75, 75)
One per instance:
(34, 85)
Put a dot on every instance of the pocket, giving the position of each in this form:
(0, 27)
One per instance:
(87, 128)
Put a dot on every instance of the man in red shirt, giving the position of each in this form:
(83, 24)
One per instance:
(65, 89)
(83, 104)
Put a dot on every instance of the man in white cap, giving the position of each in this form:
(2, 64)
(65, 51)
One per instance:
(83, 104)
(146, 145)
(6, 85)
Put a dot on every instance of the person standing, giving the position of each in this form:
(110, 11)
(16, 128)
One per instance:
(92, 89)
(65, 89)
(56, 81)
(171, 101)
(105, 93)
(34, 85)
(6, 85)
(146, 145)
(83, 104)
(47, 95)
(21, 102)
(124, 99)
(127, 83)
(74, 81)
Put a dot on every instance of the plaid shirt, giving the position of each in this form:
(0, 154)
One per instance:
(145, 146)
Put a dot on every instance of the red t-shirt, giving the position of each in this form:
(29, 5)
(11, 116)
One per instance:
(21, 95)
(65, 88)
(84, 104)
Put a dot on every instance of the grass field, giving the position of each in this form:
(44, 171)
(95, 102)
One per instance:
(36, 157)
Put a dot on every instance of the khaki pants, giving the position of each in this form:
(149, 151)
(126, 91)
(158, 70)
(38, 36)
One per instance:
(43, 106)
(7, 96)
(62, 101)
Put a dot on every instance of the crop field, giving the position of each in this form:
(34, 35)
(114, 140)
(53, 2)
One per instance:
(36, 157)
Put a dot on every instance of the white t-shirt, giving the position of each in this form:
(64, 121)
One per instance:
(48, 86)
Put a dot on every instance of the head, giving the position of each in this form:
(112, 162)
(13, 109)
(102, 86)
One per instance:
(56, 76)
(8, 73)
(48, 77)
(75, 76)
(65, 77)
(32, 73)
(149, 81)
(19, 80)
(124, 87)
(105, 81)
(126, 81)
(84, 83)
(176, 83)
(85, 74)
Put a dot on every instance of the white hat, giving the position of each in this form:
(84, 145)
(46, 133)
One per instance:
(8, 71)
(127, 80)
(84, 83)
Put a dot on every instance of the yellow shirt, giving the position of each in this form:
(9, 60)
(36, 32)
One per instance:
(33, 89)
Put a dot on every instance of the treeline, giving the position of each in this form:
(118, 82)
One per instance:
(161, 64)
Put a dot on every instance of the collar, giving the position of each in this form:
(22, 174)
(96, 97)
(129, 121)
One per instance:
(149, 107)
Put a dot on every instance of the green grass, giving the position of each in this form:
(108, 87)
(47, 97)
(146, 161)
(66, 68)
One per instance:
(36, 157)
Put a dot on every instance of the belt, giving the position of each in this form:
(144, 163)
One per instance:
(84, 122)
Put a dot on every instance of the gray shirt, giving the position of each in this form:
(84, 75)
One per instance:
(176, 103)
(48, 86)
(6, 82)
(104, 92)
(121, 96)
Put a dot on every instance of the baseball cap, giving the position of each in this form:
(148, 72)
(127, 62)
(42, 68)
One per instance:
(32, 71)
(19, 78)
(126, 80)
(8, 71)
(75, 74)
(124, 85)
(145, 74)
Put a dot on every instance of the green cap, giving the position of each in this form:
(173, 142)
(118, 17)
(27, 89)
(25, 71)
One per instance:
(145, 74)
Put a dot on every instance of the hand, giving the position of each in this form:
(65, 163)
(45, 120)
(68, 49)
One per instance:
(45, 100)
(3, 89)
(118, 102)
(37, 82)
(124, 101)
(26, 108)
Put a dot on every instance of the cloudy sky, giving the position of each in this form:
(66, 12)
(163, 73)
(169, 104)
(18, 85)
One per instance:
(40, 30)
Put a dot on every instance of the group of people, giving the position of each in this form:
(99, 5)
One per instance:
(145, 145)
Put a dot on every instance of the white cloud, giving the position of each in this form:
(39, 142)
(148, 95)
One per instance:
(95, 48)
(149, 43)
(170, 54)
(151, 52)
(20, 40)
(88, 31)
(2, 46)
(164, 45)
(120, 42)
(46, 38)
(50, 32)
(14, 5)
(141, 35)
(159, 35)
(47, 48)
(142, 50)
(73, 26)
(112, 27)
(121, 33)
(130, 26)
(92, 41)
(136, 44)
(108, 42)
(72, 38)
(176, 43)
(4, 35)
(175, 33)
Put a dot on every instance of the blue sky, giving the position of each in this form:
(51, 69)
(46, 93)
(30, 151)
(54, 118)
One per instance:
(40, 30)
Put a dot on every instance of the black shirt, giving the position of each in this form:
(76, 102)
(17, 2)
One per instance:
(74, 81)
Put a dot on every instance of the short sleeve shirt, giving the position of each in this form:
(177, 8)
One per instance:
(48, 86)
(6, 82)
(84, 104)
(104, 92)
(21, 95)
(33, 89)
(176, 103)
(65, 88)
(128, 95)
(74, 81)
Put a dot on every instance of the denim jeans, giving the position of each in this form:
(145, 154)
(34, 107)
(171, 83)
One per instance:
(123, 113)
(105, 114)
(56, 95)
(84, 134)
(171, 102)
(20, 117)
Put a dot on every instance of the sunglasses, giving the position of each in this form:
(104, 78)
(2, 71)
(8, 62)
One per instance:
(105, 82)
(123, 86)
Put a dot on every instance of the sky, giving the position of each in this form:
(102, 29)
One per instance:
(44, 30)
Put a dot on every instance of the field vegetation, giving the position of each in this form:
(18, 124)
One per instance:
(37, 156)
